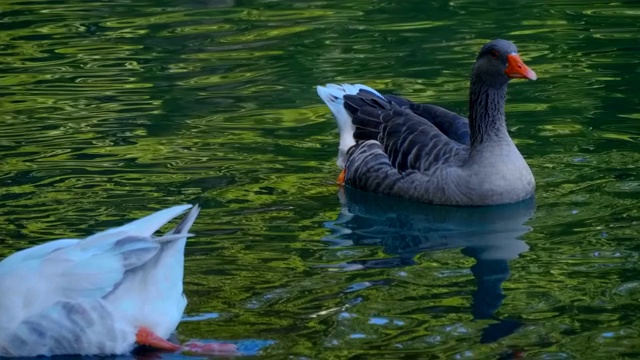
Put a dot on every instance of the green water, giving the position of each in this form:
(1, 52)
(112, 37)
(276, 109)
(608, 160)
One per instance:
(112, 109)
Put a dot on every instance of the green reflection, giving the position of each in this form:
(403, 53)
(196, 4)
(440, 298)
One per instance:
(109, 110)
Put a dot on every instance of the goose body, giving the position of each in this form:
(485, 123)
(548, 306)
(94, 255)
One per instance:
(392, 146)
(101, 295)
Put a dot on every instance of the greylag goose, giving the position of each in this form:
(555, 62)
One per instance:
(103, 295)
(392, 146)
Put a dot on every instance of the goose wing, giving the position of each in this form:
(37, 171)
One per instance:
(449, 123)
(58, 288)
(410, 141)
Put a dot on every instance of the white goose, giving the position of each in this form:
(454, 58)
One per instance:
(102, 295)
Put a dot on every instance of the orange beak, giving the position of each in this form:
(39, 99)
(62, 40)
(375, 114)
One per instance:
(517, 69)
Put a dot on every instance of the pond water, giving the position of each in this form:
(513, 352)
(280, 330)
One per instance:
(110, 110)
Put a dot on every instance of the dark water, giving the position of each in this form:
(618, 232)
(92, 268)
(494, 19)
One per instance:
(112, 109)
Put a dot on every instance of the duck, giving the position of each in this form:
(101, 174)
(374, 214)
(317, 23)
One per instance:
(105, 294)
(392, 146)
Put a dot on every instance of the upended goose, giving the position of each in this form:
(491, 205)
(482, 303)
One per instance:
(102, 295)
(392, 146)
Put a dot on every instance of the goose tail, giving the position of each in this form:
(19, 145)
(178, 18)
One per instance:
(186, 223)
(333, 96)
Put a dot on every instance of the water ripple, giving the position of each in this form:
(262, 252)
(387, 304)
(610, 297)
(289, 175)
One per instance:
(118, 108)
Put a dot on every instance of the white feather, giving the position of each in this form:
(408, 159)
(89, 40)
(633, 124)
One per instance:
(89, 297)
(332, 95)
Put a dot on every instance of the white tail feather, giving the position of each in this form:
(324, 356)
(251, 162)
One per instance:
(145, 226)
(332, 95)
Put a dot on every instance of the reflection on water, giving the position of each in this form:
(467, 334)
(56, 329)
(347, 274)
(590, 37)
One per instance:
(124, 107)
(491, 236)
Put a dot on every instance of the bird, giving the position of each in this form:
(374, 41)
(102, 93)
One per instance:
(103, 295)
(392, 146)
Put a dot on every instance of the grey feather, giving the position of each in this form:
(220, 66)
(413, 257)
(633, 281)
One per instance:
(427, 153)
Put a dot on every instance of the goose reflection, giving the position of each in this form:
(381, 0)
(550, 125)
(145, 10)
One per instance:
(490, 235)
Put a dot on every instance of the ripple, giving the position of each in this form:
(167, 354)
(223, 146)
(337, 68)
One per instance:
(112, 109)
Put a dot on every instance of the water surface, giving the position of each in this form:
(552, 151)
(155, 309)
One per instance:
(112, 109)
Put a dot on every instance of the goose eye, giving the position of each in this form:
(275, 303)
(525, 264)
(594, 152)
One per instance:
(494, 54)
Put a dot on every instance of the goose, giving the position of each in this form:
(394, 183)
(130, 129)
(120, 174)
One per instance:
(392, 146)
(103, 295)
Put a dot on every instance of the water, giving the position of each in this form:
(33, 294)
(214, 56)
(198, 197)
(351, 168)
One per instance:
(112, 109)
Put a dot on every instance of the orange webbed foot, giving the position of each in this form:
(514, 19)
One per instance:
(146, 337)
(341, 177)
